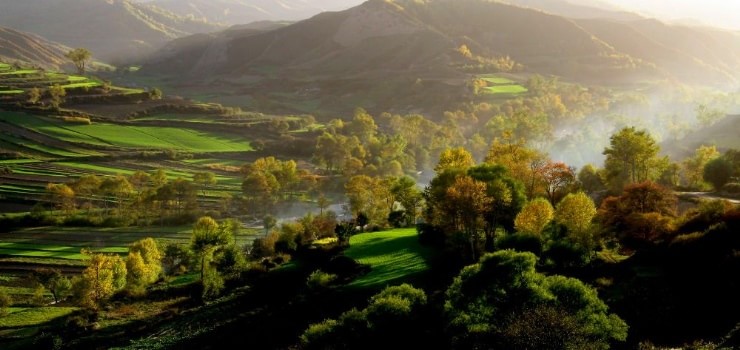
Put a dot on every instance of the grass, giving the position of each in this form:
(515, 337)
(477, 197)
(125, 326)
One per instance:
(26, 317)
(506, 89)
(21, 72)
(11, 92)
(393, 256)
(125, 136)
(87, 84)
(33, 250)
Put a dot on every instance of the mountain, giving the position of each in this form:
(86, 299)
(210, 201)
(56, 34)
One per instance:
(405, 53)
(408, 37)
(17, 46)
(577, 9)
(113, 30)
(246, 11)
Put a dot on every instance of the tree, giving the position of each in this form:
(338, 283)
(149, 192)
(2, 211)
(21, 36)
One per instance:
(104, 275)
(523, 163)
(694, 167)
(80, 57)
(57, 93)
(155, 94)
(34, 95)
(62, 196)
(590, 179)
(392, 319)
(534, 216)
(144, 263)
(465, 202)
(407, 193)
(205, 180)
(503, 302)
(367, 195)
(718, 172)
(558, 178)
(643, 213)
(454, 158)
(631, 157)
(268, 222)
(575, 212)
(206, 238)
(53, 280)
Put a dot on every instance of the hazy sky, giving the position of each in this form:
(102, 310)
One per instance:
(719, 13)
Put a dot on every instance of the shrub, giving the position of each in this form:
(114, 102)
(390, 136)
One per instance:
(320, 280)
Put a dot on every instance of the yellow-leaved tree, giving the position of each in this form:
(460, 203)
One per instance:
(534, 216)
(575, 212)
(104, 276)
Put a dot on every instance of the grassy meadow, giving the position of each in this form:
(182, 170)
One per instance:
(393, 256)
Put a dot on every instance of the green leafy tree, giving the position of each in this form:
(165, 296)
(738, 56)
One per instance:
(631, 157)
(57, 94)
(503, 302)
(391, 320)
(205, 180)
(52, 279)
(206, 238)
(80, 57)
(590, 179)
(718, 172)
(693, 168)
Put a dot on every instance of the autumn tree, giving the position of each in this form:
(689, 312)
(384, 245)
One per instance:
(57, 94)
(643, 213)
(34, 95)
(576, 212)
(454, 158)
(631, 157)
(144, 263)
(407, 193)
(103, 276)
(522, 162)
(62, 196)
(80, 57)
(466, 202)
(558, 178)
(534, 216)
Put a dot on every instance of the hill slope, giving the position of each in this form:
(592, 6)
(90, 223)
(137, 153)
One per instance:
(25, 47)
(246, 11)
(111, 29)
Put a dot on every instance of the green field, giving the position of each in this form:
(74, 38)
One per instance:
(506, 89)
(25, 317)
(393, 256)
(66, 242)
(126, 136)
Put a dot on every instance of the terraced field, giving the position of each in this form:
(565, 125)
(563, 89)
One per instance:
(498, 85)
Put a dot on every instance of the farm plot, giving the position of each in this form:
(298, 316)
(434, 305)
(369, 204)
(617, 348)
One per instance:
(129, 136)
(66, 243)
(393, 256)
(33, 316)
(498, 85)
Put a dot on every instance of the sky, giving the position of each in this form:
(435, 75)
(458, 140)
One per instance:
(718, 13)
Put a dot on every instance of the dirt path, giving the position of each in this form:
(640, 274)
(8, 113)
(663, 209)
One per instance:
(706, 195)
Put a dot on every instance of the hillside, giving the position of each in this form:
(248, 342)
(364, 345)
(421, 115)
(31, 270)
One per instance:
(385, 56)
(723, 134)
(243, 11)
(113, 30)
(16, 46)
(575, 9)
